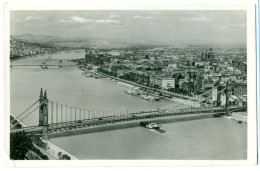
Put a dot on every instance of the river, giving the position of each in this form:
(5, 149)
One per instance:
(213, 138)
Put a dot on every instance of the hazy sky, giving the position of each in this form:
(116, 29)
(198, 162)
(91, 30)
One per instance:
(156, 26)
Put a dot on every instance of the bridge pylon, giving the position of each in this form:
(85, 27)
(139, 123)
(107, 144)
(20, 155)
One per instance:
(218, 97)
(43, 114)
(227, 99)
(41, 99)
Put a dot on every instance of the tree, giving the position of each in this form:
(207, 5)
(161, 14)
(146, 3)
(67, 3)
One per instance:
(60, 155)
(44, 157)
(65, 157)
(19, 145)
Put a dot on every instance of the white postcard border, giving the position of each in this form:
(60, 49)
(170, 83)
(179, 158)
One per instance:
(251, 70)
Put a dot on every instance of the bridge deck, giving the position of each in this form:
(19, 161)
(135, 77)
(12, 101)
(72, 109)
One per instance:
(63, 126)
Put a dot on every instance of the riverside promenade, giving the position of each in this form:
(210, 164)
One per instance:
(176, 97)
(54, 151)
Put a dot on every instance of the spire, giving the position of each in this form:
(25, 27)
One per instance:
(41, 95)
(45, 94)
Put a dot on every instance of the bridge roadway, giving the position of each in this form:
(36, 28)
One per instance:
(113, 120)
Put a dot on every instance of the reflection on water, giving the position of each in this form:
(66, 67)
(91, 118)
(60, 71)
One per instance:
(216, 138)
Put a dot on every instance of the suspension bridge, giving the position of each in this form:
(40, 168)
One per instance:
(57, 118)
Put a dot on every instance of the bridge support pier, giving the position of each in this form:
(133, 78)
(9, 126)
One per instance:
(45, 135)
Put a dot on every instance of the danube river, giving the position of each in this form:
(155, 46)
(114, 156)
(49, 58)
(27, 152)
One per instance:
(212, 138)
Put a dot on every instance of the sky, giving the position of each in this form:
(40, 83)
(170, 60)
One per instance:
(165, 26)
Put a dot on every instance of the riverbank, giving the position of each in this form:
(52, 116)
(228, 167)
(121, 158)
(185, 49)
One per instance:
(129, 84)
(52, 151)
(240, 117)
(129, 124)
(143, 86)
(31, 55)
(56, 151)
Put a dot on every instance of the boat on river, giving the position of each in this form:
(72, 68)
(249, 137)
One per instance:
(147, 97)
(150, 125)
(133, 91)
(157, 98)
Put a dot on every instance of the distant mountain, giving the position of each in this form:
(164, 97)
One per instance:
(36, 38)
(209, 43)
(100, 42)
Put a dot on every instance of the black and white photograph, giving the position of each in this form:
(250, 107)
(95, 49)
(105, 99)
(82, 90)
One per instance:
(137, 84)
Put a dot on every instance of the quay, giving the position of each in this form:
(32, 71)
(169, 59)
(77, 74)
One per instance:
(164, 93)
(54, 151)
(175, 97)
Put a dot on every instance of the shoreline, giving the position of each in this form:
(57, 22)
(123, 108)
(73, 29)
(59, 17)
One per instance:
(28, 56)
(128, 84)
(143, 86)
(53, 149)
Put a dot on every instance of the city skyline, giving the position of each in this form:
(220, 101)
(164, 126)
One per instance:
(168, 27)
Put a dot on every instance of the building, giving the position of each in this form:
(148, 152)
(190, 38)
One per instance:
(208, 84)
(139, 77)
(244, 68)
(181, 81)
(239, 88)
(168, 83)
(200, 84)
(90, 57)
(210, 55)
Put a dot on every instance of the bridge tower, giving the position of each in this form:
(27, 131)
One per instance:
(218, 97)
(45, 124)
(41, 99)
(227, 99)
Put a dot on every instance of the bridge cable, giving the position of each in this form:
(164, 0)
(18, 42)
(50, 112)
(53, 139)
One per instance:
(205, 98)
(167, 107)
(238, 99)
(26, 116)
(208, 91)
(26, 110)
